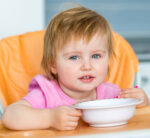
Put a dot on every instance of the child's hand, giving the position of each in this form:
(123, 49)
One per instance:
(65, 118)
(134, 93)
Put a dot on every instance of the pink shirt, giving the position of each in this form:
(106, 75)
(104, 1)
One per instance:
(44, 93)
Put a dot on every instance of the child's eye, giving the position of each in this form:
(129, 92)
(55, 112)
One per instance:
(96, 56)
(74, 57)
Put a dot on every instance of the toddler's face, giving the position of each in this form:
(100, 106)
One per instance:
(81, 66)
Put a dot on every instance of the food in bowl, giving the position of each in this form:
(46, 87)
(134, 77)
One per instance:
(108, 112)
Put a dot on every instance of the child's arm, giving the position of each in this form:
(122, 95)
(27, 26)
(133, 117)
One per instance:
(21, 116)
(135, 93)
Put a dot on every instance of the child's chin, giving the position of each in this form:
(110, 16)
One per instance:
(88, 89)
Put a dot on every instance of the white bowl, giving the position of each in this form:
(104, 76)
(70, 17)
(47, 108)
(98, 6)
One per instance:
(108, 112)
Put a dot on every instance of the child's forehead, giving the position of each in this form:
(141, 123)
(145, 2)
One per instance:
(95, 42)
(85, 39)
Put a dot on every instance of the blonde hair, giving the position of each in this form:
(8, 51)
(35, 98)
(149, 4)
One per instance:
(78, 22)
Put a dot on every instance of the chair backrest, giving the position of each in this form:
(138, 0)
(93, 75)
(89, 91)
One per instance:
(20, 58)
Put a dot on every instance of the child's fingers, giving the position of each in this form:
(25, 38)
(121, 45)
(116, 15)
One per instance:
(72, 124)
(75, 112)
(129, 90)
(132, 90)
(69, 128)
(127, 95)
(131, 95)
(73, 118)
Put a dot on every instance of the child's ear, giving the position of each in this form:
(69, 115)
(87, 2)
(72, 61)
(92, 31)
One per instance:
(53, 70)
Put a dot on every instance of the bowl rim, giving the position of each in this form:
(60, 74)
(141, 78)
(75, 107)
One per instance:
(135, 102)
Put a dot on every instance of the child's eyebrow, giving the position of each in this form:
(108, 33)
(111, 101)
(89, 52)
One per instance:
(78, 52)
(72, 52)
(102, 51)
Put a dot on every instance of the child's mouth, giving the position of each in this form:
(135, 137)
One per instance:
(87, 78)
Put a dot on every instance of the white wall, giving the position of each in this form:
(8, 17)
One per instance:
(20, 16)
(144, 77)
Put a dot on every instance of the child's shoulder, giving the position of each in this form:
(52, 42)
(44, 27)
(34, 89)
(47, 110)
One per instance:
(108, 85)
(40, 76)
(41, 81)
(107, 90)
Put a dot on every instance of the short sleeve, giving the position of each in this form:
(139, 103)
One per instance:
(44, 93)
(35, 96)
(107, 91)
(36, 99)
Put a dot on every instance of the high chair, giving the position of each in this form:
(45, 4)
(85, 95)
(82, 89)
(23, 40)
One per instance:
(20, 58)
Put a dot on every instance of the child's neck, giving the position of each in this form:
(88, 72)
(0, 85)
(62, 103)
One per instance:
(90, 96)
(80, 96)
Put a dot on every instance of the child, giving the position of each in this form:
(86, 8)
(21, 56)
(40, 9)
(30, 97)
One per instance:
(77, 48)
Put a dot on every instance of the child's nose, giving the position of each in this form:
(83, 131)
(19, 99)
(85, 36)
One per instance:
(86, 65)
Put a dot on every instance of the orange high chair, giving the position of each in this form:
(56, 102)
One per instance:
(20, 58)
